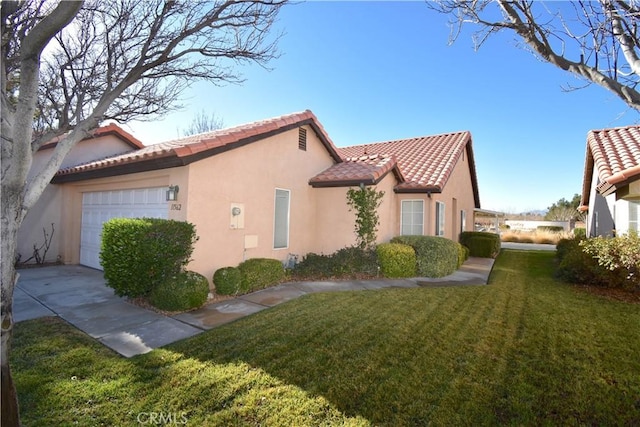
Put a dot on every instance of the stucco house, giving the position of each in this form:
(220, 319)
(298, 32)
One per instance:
(271, 188)
(611, 182)
(104, 142)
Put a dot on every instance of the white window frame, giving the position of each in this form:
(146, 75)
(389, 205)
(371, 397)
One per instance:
(412, 225)
(463, 221)
(276, 241)
(441, 214)
(634, 215)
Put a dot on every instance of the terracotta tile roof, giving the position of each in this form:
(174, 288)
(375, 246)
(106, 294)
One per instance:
(368, 170)
(110, 129)
(179, 152)
(615, 154)
(426, 163)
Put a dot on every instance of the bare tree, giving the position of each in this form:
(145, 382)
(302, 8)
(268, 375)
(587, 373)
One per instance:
(202, 123)
(597, 41)
(67, 66)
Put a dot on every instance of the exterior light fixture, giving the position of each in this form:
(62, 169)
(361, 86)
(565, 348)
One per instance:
(172, 193)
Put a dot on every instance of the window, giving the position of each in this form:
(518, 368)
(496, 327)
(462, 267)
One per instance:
(281, 219)
(412, 217)
(302, 139)
(463, 221)
(634, 216)
(440, 219)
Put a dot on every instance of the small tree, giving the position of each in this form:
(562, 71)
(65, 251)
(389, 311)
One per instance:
(565, 210)
(365, 202)
(202, 123)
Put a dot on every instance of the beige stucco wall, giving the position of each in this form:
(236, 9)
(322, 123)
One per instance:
(457, 195)
(72, 202)
(48, 209)
(247, 177)
(335, 223)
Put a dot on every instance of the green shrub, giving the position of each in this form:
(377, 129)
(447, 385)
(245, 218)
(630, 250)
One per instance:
(396, 260)
(435, 256)
(483, 248)
(184, 291)
(550, 228)
(606, 262)
(315, 266)
(619, 257)
(228, 281)
(463, 254)
(347, 262)
(260, 273)
(576, 266)
(354, 261)
(564, 246)
(580, 233)
(138, 253)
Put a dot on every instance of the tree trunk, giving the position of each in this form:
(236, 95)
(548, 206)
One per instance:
(9, 400)
(10, 416)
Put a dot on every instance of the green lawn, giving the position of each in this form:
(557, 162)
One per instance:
(525, 350)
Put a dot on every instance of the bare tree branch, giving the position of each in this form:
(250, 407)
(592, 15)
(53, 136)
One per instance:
(597, 41)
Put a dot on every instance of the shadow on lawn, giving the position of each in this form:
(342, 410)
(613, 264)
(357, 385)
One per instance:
(516, 352)
(488, 355)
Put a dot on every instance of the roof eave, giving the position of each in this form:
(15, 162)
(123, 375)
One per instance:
(342, 183)
(127, 168)
(428, 189)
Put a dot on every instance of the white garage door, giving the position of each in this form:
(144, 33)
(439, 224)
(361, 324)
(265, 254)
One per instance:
(100, 206)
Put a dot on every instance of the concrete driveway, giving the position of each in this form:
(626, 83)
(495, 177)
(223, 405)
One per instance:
(79, 295)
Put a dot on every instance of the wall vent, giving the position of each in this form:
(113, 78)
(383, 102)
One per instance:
(302, 139)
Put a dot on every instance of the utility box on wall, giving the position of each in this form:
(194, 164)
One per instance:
(236, 215)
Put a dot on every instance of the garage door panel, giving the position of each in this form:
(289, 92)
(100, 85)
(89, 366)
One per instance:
(99, 207)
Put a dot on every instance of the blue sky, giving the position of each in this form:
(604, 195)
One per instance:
(377, 71)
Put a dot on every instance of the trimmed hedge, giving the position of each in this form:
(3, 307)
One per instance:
(463, 254)
(482, 247)
(139, 253)
(228, 281)
(260, 273)
(435, 256)
(185, 291)
(396, 260)
(347, 262)
(481, 243)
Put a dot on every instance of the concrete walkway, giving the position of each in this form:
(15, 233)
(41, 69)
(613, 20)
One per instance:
(79, 295)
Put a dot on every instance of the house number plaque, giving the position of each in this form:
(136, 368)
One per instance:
(176, 206)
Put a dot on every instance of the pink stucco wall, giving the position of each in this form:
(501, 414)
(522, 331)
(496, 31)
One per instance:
(247, 177)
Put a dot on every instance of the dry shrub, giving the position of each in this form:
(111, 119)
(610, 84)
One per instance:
(538, 236)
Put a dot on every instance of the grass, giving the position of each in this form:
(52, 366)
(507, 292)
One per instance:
(526, 350)
(537, 236)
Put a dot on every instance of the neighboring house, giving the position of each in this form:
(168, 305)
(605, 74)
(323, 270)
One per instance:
(104, 142)
(273, 188)
(611, 183)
